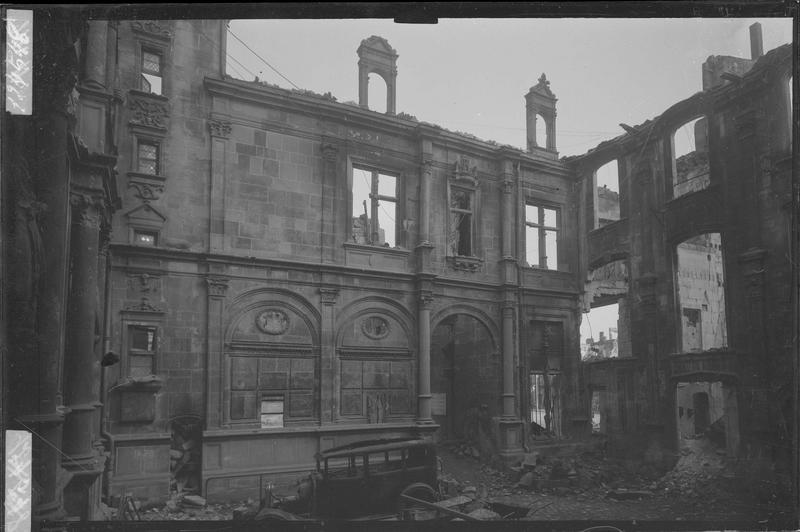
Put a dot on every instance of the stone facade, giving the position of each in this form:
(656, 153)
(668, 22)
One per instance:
(258, 274)
(278, 326)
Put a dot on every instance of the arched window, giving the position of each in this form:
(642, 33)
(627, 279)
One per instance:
(377, 93)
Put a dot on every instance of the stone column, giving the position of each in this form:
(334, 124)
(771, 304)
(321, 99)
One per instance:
(424, 368)
(81, 363)
(508, 218)
(508, 363)
(363, 86)
(96, 52)
(217, 288)
(391, 94)
(425, 177)
(329, 406)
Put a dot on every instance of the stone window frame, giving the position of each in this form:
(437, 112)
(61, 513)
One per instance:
(128, 324)
(399, 199)
(541, 231)
(140, 142)
(145, 231)
(474, 192)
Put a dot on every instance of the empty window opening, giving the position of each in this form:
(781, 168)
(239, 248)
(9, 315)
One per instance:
(600, 332)
(701, 293)
(461, 233)
(374, 208)
(541, 131)
(545, 403)
(606, 194)
(151, 72)
(541, 236)
(376, 93)
(605, 324)
(690, 169)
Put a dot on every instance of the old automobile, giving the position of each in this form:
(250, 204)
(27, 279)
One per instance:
(367, 478)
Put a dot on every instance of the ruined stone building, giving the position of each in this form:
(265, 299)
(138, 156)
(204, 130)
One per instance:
(284, 273)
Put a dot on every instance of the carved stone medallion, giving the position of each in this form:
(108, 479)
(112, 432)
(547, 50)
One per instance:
(272, 321)
(375, 327)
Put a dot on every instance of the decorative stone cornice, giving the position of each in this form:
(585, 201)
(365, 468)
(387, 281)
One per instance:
(219, 128)
(148, 110)
(217, 286)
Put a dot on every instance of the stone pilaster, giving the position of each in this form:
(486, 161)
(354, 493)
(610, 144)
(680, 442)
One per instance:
(217, 290)
(329, 406)
(328, 234)
(219, 131)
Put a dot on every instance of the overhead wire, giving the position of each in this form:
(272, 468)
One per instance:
(262, 59)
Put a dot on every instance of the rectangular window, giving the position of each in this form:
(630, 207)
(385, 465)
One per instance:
(375, 208)
(541, 236)
(141, 350)
(460, 234)
(147, 158)
(151, 72)
(272, 390)
(145, 238)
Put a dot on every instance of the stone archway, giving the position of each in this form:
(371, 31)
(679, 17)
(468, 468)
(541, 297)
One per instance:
(466, 379)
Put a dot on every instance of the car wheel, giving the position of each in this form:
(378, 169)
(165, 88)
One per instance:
(275, 514)
(411, 511)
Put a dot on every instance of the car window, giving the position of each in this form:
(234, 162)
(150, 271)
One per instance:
(386, 461)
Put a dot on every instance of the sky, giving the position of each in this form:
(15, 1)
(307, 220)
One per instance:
(471, 75)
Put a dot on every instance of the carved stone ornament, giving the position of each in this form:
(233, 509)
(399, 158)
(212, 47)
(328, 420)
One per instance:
(152, 27)
(217, 287)
(144, 282)
(375, 327)
(272, 321)
(467, 264)
(543, 87)
(330, 152)
(147, 111)
(146, 191)
(463, 170)
(328, 295)
(87, 209)
(219, 128)
(143, 306)
(426, 300)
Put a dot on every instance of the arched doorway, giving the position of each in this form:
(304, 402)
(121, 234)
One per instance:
(466, 379)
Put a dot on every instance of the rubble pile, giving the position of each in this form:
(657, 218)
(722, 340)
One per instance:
(701, 469)
(184, 457)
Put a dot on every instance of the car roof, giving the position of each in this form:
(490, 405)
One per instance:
(368, 446)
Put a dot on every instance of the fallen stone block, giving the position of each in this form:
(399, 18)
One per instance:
(194, 500)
